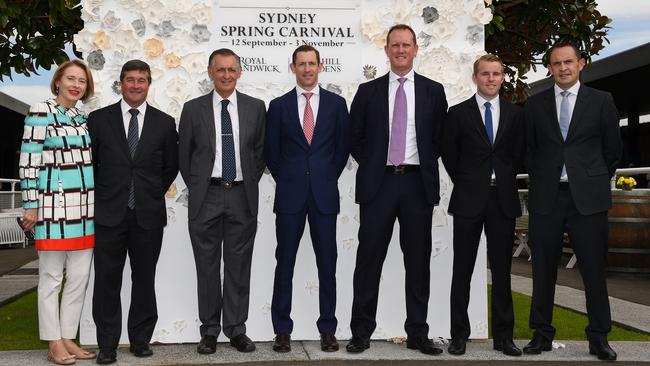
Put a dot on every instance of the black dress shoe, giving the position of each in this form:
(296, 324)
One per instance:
(282, 343)
(207, 345)
(105, 357)
(358, 344)
(537, 345)
(424, 344)
(602, 350)
(140, 350)
(328, 342)
(242, 343)
(508, 347)
(457, 346)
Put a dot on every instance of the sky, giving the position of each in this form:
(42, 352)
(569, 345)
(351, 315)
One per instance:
(630, 28)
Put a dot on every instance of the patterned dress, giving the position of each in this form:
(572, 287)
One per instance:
(57, 177)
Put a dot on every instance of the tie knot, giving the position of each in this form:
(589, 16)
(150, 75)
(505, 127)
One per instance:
(134, 112)
(224, 103)
(565, 93)
(308, 95)
(488, 105)
(401, 81)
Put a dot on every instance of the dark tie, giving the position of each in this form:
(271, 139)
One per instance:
(397, 148)
(132, 140)
(228, 164)
(488, 122)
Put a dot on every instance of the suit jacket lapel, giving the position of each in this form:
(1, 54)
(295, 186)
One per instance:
(549, 100)
(148, 128)
(504, 113)
(477, 120)
(242, 112)
(319, 121)
(117, 122)
(383, 106)
(294, 118)
(578, 110)
(207, 116)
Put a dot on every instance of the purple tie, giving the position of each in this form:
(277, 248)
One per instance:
(398, 130)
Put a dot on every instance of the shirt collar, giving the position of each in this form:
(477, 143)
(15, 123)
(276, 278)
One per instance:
(481, 101)
(232, 98)
(126, 108)
(393, 76)
(300, 90)
(572, 90)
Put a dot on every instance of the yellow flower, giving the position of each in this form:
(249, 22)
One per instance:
(172, 61)
(153, 47)
(102, 40)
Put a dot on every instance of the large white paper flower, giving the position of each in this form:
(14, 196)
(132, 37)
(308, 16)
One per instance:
(436, 62)
(83, 40)
(125, 40)
(481, 14)
(440, 31)
(90, 15)
(201, 13)
(449, 9)
(373, 28)
(195, 63)
(178, 89)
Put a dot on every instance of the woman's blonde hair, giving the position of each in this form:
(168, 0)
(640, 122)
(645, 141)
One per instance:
(90, 88)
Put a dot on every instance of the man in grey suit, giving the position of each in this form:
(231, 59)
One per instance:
(221, 137)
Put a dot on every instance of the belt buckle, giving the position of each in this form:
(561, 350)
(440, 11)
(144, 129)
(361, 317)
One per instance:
(399, 170)
(227, 185)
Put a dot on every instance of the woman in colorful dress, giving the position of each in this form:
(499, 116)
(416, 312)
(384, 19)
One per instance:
(57, 189)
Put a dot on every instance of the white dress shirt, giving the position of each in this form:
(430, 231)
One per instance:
(573, 95)
(126, 117)
(411, 156)
(495, 107)
(314, 101)
(234, 118)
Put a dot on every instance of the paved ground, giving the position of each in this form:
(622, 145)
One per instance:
(629, 296)
(380, 353)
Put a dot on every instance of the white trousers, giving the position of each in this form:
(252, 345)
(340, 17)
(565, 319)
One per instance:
(54, 321)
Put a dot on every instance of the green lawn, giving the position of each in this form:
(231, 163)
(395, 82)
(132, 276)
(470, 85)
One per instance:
(570, 325)
(19, 324)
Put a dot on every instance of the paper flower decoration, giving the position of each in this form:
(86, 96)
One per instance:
(102, 40)
(153, 47)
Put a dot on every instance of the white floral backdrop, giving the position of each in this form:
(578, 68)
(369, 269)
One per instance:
(174, 37)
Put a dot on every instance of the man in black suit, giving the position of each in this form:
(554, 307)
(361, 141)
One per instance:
(482, 147)
(396, 125)
(220, 153)
(573, 148)
(135, 158)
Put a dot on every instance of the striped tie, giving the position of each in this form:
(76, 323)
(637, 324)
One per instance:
(132, 140)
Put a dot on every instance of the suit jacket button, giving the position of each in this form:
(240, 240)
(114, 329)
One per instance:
(307, 173)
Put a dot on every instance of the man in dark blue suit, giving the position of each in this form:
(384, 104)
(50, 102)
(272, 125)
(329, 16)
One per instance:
(396, 122)
(306, 149)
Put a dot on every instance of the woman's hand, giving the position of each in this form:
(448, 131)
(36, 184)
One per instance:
(29, 218)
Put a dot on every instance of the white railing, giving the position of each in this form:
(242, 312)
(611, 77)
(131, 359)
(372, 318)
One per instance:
(10, 200)
(10, 209)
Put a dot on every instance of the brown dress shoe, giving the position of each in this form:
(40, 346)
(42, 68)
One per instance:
(328, 342)
(282, 343)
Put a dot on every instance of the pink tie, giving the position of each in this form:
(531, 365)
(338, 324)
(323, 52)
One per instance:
(397, 147)
(308, 119)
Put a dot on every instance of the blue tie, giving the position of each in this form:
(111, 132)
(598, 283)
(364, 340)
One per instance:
(565, 120)
(565, 114)
(132, 140)
(228, 164)
(488, 122)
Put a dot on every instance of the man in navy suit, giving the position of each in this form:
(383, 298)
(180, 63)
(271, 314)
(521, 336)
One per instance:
(396, 128)
(306, 149)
